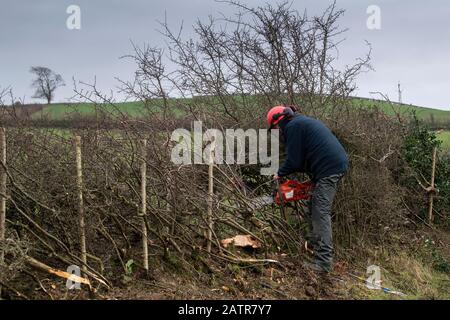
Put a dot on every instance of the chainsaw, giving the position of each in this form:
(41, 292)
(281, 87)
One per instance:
(292, 191)
(287, 191)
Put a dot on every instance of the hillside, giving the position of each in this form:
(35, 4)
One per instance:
(423, 113)
(137, 109)
(436, 118)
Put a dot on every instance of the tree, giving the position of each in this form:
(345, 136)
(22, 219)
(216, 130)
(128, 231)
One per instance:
(271, 52)
(46, 83)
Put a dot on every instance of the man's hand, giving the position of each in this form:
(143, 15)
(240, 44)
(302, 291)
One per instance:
(276, 177)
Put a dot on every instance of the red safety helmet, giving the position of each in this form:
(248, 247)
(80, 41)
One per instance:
(278, 113)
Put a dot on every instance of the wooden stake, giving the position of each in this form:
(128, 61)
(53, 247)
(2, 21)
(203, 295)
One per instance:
(143, 210)
(210, 199)
(81, 221)
(170, 204)
(433, 171)
(3, 180)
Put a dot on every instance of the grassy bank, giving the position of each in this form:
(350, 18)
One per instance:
(137, 109)
(444, 136)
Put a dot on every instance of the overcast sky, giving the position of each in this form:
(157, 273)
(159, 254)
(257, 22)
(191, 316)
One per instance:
(412, 46)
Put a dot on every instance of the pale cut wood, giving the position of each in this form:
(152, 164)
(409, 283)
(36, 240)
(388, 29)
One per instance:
(143, 210)
(81, 218)
(433, 171)
(209, 217)
(62, 274)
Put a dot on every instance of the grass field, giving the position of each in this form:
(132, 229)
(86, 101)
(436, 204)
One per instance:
(137, 109)
(422, 113)
(59, 111)
(444, 136)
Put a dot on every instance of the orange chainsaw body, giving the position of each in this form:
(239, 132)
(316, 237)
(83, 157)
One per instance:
(292, 190)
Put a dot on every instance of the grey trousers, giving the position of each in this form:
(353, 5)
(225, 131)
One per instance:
(321, 236)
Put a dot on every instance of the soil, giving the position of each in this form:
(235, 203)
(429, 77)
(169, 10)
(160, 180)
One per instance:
(286, 282)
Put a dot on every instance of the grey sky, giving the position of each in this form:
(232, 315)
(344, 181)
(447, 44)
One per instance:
(413, 45)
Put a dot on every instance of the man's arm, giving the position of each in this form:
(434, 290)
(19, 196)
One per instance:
(294, 155)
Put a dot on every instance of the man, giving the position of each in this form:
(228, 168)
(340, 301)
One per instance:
(313, 149)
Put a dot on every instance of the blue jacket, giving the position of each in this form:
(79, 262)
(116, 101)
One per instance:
(311, 148)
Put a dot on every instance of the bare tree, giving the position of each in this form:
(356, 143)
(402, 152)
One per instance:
(270, 52)
(46, 82)
(151, 80)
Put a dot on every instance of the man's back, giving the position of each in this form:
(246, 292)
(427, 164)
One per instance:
(312, 148)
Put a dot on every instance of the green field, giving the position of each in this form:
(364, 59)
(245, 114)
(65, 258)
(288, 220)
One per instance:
(60, 111)
(444, 136)
(422, 113)
(137, 109)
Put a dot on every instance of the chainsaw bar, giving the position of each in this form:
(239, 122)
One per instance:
(260, 202)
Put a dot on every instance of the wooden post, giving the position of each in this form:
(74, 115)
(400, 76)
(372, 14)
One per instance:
(81, 221)
(143, 210)
(210, 198)
(3, 179)
(170, 205)
(431, 194)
